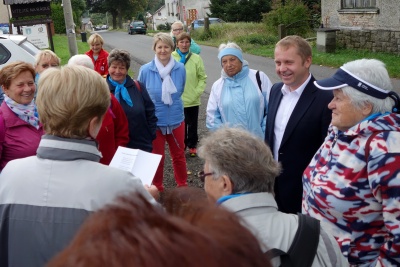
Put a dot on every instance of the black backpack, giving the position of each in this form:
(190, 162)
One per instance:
(304, 246)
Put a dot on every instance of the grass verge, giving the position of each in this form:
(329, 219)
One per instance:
(254, 39)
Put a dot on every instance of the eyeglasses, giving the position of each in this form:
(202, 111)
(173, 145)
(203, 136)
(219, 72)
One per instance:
(203, 175)
(175, 30)
(45, 66)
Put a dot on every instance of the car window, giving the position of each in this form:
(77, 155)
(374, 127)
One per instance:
(4, 54)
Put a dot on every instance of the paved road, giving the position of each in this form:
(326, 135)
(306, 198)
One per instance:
(140, 48)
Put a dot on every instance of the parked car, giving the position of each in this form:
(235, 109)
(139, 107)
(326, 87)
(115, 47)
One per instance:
(104, 27)
(200, 22)
(137, 26)
(16, 47)
(97, 28)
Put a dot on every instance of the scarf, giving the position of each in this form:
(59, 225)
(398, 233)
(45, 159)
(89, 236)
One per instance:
(168, 86)
(183, 55)
(27, 113)
(120, 90)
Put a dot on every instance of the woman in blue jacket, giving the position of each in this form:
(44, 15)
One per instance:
(165, 79)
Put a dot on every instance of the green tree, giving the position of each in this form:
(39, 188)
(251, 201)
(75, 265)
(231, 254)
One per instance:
(57, 14)
(239, 10)
(294, 14)
(119, 9)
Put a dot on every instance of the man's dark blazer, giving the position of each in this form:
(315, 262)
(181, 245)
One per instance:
(305, 132)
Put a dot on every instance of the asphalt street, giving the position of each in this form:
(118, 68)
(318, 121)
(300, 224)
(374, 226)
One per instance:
(140, 47)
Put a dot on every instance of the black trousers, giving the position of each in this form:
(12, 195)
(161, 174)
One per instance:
(191, 121)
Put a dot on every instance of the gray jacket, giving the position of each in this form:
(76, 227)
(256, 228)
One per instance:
(275, 229)
(45, 198)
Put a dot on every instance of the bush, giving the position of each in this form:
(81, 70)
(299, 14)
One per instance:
(256, 39)
(164, 27)
(294, 13)
(57, 15)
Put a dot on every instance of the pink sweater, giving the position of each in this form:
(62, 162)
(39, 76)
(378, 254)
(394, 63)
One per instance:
(18, 139)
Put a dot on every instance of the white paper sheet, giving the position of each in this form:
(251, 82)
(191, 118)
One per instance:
(140, 163)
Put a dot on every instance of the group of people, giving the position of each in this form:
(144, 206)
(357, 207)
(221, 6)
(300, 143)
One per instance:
(327, 149)
(336, 140)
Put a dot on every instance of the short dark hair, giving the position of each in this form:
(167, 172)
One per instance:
(119, 55)
(183, 35)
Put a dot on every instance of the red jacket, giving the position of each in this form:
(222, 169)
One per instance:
(101, 64)
(114, 131)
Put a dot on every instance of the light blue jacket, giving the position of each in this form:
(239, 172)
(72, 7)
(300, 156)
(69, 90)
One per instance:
(168, 115)
(241, 103)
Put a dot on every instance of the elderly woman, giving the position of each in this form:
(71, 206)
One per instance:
(239, 174)
(114, 130)
(352, 183)
(165, 79)
(134, 99)
(239, 97)
(176, 29)
(20, 130)
(194, 88)
(45, 198)
(45, 59)
(98, 54)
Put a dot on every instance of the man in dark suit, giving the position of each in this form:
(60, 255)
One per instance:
(297, 121)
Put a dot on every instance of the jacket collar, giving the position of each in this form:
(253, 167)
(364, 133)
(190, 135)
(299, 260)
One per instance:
(252, 200)
(67, 149)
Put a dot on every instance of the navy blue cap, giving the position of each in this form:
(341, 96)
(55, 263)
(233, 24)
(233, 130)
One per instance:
(343, 78)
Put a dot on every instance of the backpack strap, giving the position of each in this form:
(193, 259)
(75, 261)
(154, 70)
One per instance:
(285, 258)
(368, 143)
(186, 60)
(305, 243)
(137, 85)
(303, 249)
(258, 80)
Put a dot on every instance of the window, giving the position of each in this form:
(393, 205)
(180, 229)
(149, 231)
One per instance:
(358, 4)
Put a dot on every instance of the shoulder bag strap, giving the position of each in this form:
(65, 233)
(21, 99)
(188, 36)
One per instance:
(137, 85)
(305, 243)
(258, 80)
(186, 60)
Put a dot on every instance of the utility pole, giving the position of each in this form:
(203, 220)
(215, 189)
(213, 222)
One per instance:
(70, 27)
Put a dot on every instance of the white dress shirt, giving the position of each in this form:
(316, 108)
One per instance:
(285, 109)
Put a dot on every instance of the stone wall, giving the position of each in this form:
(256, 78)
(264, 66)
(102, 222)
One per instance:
(373, 40)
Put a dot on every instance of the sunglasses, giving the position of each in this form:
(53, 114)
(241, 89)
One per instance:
(175, 30)
(203, 175)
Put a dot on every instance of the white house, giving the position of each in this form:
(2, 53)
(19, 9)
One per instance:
(183, 10)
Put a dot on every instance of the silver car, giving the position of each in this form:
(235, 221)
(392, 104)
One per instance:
(16, 48)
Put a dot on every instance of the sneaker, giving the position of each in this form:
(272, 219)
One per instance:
(192, 152)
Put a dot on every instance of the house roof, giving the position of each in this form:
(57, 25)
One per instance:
(13, 2)
(158, 10)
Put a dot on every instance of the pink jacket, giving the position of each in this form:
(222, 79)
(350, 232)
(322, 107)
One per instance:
(18, 139)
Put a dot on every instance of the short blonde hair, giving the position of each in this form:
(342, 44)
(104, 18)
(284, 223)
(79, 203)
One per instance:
(46, 54)
(163, 37)
(94, 38)
(69, 98)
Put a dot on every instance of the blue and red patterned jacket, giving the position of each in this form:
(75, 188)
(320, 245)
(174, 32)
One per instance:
(358, 199)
